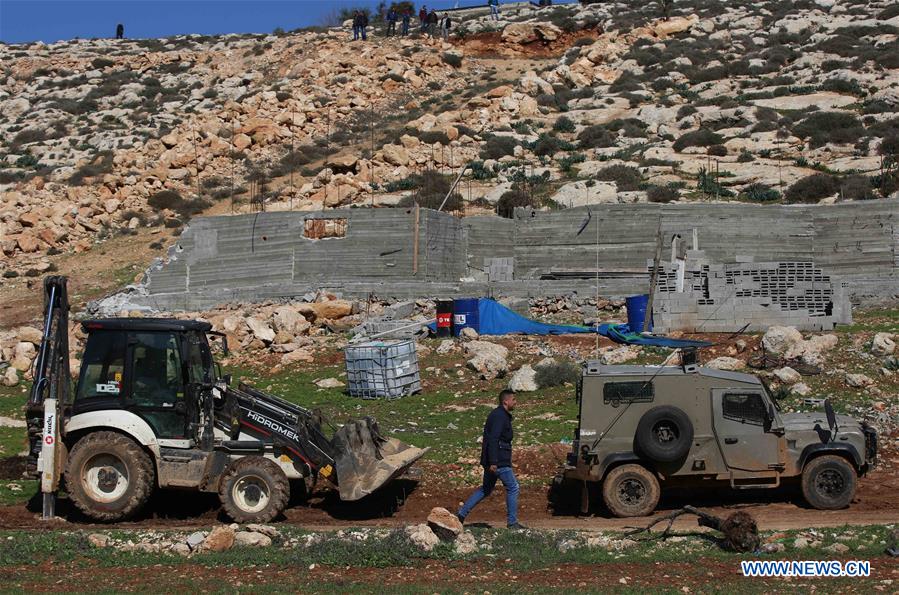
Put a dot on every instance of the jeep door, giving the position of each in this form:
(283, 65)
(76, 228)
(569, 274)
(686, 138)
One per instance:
(742, 428)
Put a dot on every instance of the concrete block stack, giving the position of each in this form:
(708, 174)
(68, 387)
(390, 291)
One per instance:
(727, 297)
(499, 269)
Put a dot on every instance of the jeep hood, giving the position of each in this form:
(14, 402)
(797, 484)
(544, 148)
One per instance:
(794, 422)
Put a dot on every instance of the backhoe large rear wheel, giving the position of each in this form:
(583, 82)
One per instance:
(254, 490)
(109, 477)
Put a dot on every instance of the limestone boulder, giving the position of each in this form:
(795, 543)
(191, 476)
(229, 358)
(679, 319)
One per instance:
(523, 33)
(332, 309)
(726, 363)
(220, 539)
(261, 329)
(487, 359)
(422, 536)
(787, 375)
(444, 524)
(883, 344)
(395, 154)
(782, 339)
(287, 320)
(524, 379)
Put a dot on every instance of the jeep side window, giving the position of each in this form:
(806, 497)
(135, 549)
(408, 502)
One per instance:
(615, 393)
(746, 408)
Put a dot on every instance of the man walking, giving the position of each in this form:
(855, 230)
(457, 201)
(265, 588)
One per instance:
(120, 31)
(494, 9)
(360, 22)
(445, 24)
(496, 459)
(423, 18)
(407, 16)
(391, 21)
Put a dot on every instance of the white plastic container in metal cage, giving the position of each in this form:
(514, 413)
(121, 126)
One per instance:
(386, 369)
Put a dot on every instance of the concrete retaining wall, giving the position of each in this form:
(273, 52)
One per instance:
(267, 256)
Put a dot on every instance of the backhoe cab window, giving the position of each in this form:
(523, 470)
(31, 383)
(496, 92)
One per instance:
(103, 366)
(157, 369)
(198, 360)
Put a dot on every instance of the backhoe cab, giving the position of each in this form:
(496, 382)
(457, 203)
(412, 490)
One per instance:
(150, 409)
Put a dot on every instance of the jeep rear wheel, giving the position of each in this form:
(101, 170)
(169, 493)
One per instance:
(828, 482)
(254, 490)
(664, 434)
(630, 490)
(109, 477)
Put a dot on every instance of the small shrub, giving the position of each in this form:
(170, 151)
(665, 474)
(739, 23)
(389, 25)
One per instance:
(497, 147)
(708, 184)
(684, 111)
(452, 59)
(165, 199)
(888, 13)
(626, 177)
(434, 136)
(662, 194)
(99, 63)
(563, 124)
(479, 172)
(596, 137)
(745, 157)
(556, 374)
(717, 151)
(812, 188)
(857, 188)
(566, 163)
(548, 145)
(517, 196)
(698, 138)
(843, 86)
(759, 192)
(821, 128)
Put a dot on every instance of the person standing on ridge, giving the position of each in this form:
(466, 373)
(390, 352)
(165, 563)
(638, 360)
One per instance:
(407, 16)
(496, 459)
(120, 31)
(391, 21)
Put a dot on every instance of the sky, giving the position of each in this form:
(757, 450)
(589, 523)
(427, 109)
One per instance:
(54, 20)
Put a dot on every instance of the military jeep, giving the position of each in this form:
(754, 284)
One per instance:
(642, 427)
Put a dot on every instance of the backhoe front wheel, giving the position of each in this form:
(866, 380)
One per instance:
(254, 490)
(109, 477)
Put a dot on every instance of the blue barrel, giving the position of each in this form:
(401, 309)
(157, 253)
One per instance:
(465, 315)
(636, 312)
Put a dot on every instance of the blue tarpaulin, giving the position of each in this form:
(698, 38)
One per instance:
(496, 319)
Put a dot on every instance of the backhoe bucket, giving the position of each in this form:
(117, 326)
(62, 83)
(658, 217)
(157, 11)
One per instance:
(365, 460)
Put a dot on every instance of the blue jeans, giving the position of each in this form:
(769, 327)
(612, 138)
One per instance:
(405, 27)
(505, 475)
(494, 10)
(357, 31)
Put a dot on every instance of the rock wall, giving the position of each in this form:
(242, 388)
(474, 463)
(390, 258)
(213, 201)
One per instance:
(268, 256)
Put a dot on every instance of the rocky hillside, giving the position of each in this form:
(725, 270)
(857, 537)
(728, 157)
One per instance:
(756, 101)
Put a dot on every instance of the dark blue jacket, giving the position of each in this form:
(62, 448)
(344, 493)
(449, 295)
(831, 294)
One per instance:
(496, 448)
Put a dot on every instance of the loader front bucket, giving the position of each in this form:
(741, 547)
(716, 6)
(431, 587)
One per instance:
(366, 461)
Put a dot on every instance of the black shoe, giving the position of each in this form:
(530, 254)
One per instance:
(516, 527)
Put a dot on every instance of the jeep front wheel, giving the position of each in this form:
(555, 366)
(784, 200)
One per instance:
(109, 477)
(630, 490)
(828, 482)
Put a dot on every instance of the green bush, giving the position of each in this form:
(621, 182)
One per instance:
(548, 145)
(821, 128)
(698, 138)
(566, 163)
(431, 188)
(556, 374)
(479, 172)
(857, 188)
(596, 137)
(102, 164)
(759, 192)
(662, 194)
(626, 177)
(517, 196)
(843, 86)
(563, 124)
(99, 63)
(497, 147)
(172, 200)
(433, 136)
(812, 188)
(745, 157)
(717, 151)
(452, 59)
(708, 184)
(684, 111)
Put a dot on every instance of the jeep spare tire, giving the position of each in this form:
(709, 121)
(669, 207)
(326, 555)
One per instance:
(664, 434)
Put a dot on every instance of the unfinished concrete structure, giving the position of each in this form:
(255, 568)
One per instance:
(411, 253)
